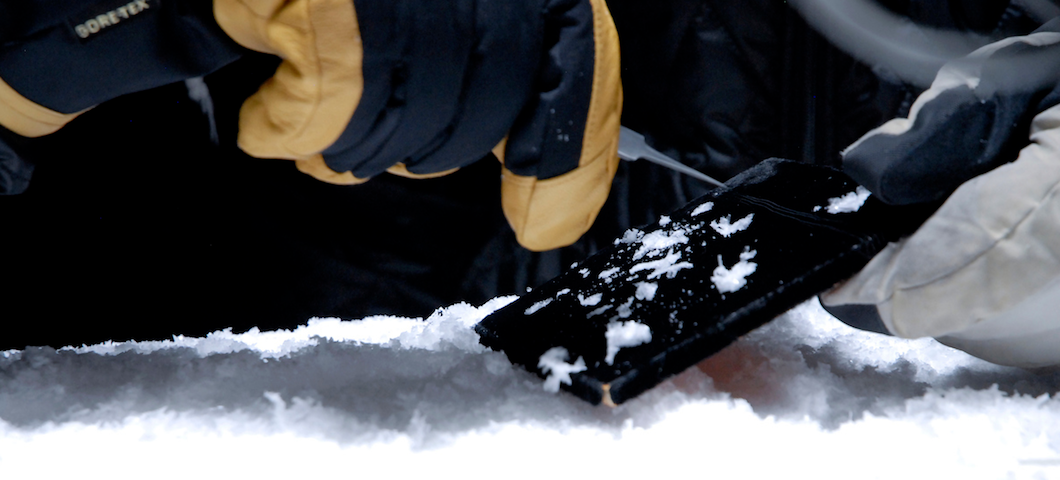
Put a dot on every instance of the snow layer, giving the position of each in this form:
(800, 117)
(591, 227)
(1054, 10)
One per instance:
(803, 397)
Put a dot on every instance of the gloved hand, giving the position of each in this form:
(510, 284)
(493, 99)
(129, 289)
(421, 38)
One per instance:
(59, 59)
(422, 87)
(983, 273)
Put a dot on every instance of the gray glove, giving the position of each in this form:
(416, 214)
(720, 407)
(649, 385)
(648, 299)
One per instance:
(983, 273)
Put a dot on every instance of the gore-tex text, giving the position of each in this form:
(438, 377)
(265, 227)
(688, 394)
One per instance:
(105, 20)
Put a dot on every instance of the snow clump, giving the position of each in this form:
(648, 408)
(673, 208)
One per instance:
(625, 334)
(704, 208)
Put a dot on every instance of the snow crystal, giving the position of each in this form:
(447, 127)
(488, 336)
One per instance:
(849, 203)
(591, 300)
(724, 228)
(665, 266)
(658, 241)
(537, 306)
(664, 221)
(625, 334)
(704, 208)
(554, 363)
(646, 291)
(730, 280)
(599, 311)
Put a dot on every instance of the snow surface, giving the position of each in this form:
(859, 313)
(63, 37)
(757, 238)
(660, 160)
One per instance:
(803, 397)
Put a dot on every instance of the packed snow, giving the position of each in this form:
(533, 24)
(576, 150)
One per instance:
(804, 396)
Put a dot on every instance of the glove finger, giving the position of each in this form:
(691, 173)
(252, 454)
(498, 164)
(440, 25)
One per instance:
(416, 90)
(499, 81)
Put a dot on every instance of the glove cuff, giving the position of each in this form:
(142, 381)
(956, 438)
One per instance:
(26, 118)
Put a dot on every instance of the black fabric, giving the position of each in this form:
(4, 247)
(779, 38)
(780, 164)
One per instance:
(50, 64)
(963, 132)
(862, 317)
(15, 169)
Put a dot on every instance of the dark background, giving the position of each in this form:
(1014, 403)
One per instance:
(138, 226)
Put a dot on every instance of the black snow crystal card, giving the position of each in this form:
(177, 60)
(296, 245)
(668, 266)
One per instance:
(664, 297)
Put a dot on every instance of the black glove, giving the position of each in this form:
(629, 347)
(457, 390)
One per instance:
(421, 87)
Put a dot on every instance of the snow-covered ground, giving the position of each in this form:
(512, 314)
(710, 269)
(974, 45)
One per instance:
(803, 397)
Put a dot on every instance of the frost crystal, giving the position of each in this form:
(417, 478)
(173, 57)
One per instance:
(537, 306)
(624, 334)
(724, 228)
(730, 280)
(591, 300)
(704, 208)
(848, 203)
(665, 266)
(554, 363)
(600, 310)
